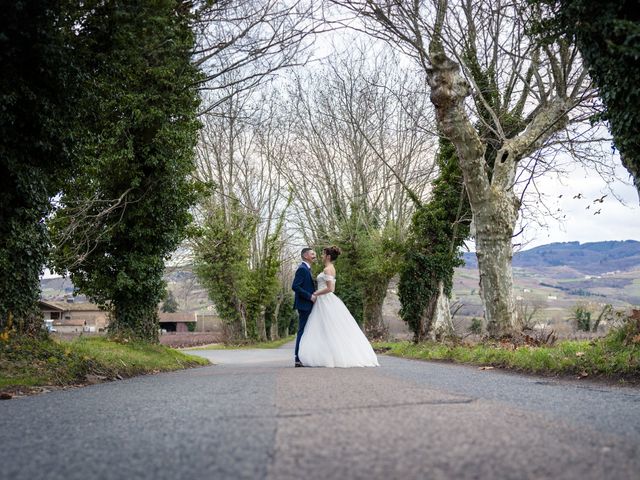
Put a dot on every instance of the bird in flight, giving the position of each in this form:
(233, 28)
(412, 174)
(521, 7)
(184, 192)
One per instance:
(578, 196)
(601, 199)
(596, 213)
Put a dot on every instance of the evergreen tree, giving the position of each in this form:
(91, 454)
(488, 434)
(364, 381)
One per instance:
(37, 89)
(126, 207)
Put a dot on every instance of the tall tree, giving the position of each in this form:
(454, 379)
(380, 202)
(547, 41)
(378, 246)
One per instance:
(241, 218)
(126, 207)
(361, 132)
(438, 230)
(545, 84)
(608, 36)
(37, 85)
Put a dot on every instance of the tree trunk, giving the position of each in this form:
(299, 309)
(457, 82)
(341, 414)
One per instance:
(372, 319)
(633, 167)
(261, 326)
(442, 323)
(495, 222)
(134, 323)
(494, 206)
(274, 334)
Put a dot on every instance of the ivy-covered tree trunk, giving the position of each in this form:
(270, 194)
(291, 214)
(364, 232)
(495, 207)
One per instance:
(138, 322)
(438, 229)
(492, 199)
(261, 325)
(37, 112)
(274, 333)
(373, 300)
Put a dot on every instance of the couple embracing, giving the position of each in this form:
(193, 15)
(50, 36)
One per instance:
(328, 335)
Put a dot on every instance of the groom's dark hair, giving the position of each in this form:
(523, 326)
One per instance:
(305, 250)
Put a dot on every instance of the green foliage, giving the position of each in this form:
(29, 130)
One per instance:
(37, 91)
(582, 318)
(476, 326)
(170, 304)
(438, 229)
(370, 258)
(243, 292)
(263, 285)
(607, 34)
(126, 207)
(221, 261)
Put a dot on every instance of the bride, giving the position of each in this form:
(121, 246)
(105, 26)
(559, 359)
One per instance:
(332, 337)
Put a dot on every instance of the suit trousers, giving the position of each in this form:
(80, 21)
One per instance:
(303, 316)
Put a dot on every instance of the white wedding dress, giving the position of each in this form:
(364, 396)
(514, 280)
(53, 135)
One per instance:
(332, 338)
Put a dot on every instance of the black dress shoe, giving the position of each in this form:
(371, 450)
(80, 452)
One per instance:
(299, 364)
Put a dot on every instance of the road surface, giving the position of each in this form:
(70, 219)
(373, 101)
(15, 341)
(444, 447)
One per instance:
(253, 416)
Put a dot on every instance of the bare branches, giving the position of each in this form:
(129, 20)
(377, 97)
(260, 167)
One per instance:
(357, 124)
(243, 43)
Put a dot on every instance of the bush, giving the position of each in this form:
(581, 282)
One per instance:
(582, 318)
(476, 326)
(628, 334)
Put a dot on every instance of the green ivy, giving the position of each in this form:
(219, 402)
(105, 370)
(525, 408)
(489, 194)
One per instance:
(244, 295)
(371, 255)
(38, 87)
(126, 206)
(221, 261)
(438, 230)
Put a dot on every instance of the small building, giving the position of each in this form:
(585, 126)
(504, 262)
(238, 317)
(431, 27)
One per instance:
(177, 322)
(73, 317)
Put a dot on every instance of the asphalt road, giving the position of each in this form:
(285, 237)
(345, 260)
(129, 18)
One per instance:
(253, 416)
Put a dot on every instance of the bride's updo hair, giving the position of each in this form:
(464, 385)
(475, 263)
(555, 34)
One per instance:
(334, 252)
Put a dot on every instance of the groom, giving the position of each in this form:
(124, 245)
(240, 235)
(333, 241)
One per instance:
(304, 297)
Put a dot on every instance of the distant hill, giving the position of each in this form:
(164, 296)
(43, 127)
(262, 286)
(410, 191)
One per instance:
(589, 258)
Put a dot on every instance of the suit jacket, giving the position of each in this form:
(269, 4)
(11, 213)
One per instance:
(304, 287)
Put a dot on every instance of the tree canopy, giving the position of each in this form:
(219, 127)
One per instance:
(126, 206)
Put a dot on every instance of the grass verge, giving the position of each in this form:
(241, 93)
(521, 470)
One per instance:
(34, 362)
(245, 346)
(611, 358)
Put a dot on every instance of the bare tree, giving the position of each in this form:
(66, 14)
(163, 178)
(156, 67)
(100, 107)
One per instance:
(359, 153)
(499, 97)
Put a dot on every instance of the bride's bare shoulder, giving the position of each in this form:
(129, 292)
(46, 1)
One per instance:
(330, 270)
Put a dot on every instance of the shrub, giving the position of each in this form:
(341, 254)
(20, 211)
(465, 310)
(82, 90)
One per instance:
(582, 318)
(476, 326)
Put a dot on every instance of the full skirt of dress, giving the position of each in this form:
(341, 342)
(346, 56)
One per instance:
(332, 338)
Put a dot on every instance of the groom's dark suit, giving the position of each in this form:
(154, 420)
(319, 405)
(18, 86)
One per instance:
(304, 288)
